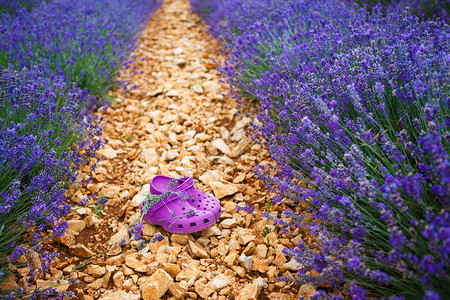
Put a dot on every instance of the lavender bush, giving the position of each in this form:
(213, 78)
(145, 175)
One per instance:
(55, 63)
(355, 109)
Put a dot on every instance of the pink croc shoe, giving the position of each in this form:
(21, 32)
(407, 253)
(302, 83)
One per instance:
(184, 187)
(176, 216)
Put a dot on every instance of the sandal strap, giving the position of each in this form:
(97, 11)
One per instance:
(162, 203)
(185, 183)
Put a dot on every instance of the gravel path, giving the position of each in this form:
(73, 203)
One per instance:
(176, 123)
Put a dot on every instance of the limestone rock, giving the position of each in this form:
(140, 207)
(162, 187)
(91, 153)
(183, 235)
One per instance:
(176, 290)
(92, 220)
(80, 250)
(260, 251)
(172, 155)
(188, 273)
(241, 147)
(156, 285)
(119, 295)
(118, 279)
(121, 235)
(222, 146)
(220, 281)
(68, 239)
(150, 156)
(197, 250)
(293, 265)
(60, 286)
(181, 239)
(249, 292)
(108, 153)
(76, 226)
(212, 86)
(229, 223)
(198, 88)
(222, 190)
(202, 288)
(306, 291)
(95, 270)
(246, 262)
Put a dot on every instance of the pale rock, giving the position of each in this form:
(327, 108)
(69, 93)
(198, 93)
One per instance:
(172, 93)
(137, 200)
(212, 86)
(80, 250)
(156, 285)
(179, 62)
(188, 273)
(176, 290)
(293, 265)
(230, 259)
(178, 51)
(181, 239)
(202, 288)
(139, 261)
(76, 226)
(156, 116)
(209, 176)
(115, 250)
(220, 281)
(97, 284)
(68, 239)
(241, 147)
(260, 265)
(249, 249)
(249, 292)
(245, 236)
(9, 284)
(260, 251)
(239, 270)
(228, 223)
(190, 134)
(95, 270)
(108, 153)
(121, 235)
(224, 133)
(197, 250)
(198, 89)
(150, 156)
(222, 146)
(149, 230)
(241, 124)
(280, 259)
(306, 291)
(118, 279)
(92, 220)
(261, 282)
(246, 262)
(212, 231)
(119, 295)
(60, 285)
(222, 190)
(172, 155)
(201, 137)
(193, 148)
(238, 135)
(172, 269)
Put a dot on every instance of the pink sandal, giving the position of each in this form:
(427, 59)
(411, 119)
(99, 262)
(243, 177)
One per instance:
(184, 187)
(176, 216)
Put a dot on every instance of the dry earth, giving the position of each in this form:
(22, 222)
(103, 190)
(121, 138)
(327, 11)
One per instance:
(177, 123)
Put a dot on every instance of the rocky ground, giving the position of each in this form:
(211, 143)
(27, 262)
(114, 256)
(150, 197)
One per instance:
(178, 122)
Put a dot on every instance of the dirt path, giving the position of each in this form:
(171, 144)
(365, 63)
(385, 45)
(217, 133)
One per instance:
(176, 123)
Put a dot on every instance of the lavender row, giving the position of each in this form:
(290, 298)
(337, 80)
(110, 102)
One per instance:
(57, 62)
(354, 107)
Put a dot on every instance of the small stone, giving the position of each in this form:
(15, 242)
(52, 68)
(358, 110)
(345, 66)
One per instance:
(239, 270)
(210, 176)
(150, 156)
(222, 190)
(306, 291)
(118, 279)
(176, 290)
(68, 239)
(178, 51)
(260, 265)
(179, 62)
(228, 223)
(293, 265)
(172, 155)
(121, 235)
(245, 236)
(172, 269)
(197, 250)
(149, 230)
(249, 292)
(9, 284)
(230, 259)
(212, 86)
(108, 153)
(156, 285)
(97, 284)
(181, 239)
(220, 281)
(198, 88)
(249, 249)
(211, 231)
(203, 289)
(241, 147)
(92, 220)
(95, 270)
(119, 295)
(80, 250)
(260, 251)
(280, 259)
(188, 273)
(172, 93)
(222, 146)
(76, 226)
(246, 262)
(261, 282)
(60, 285)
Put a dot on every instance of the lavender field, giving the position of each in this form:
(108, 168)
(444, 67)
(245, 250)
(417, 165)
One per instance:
(58, 60)
(354, 106)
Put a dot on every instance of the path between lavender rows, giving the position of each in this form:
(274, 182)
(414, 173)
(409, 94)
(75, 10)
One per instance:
(176, 123)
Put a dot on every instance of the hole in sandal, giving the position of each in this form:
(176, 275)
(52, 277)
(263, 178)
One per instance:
(193, 224)
(180, 226)
(205, 221)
